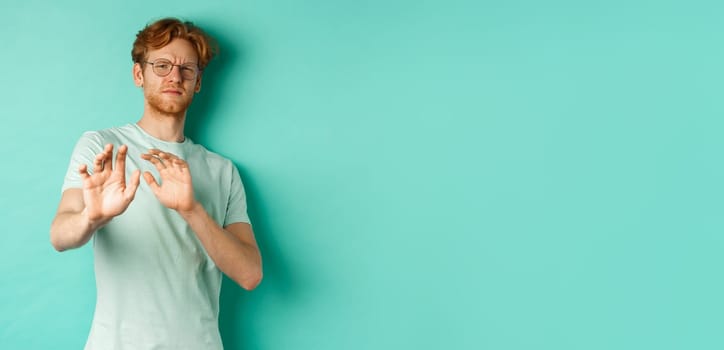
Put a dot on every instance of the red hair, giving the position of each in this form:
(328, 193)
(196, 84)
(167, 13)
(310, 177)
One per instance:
(160, 33)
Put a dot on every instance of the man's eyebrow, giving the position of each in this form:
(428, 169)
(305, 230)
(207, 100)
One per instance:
(171, 59)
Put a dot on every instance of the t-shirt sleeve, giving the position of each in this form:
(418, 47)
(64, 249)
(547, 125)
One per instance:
(236, 208)
(85, 151)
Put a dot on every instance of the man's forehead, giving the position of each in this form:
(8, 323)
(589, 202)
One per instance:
(177, 49)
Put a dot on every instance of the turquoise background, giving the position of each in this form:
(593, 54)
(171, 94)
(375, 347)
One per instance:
(420, 174)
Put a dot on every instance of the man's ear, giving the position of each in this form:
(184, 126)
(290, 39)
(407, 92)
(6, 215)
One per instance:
(198, 84)
(138, 74)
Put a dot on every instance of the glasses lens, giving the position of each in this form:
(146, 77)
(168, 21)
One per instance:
(189, 71)
(162, 67)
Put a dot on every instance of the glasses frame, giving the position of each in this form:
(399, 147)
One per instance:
(181, 67)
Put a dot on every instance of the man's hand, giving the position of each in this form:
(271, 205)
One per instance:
(176, 190)
(105, 192)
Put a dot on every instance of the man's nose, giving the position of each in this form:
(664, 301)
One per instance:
(175, 74)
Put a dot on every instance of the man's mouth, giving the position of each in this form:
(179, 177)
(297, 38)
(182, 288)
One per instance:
(172, 92)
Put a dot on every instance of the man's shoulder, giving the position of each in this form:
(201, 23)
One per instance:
(204, 153)
(108, 132)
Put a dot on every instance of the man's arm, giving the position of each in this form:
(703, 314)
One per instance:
(104, 195)
(233, 248)
(71, 227)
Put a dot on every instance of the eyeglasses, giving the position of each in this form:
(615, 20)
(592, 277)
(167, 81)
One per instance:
(163, 67)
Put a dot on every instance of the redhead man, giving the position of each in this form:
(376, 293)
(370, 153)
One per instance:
(159, 247)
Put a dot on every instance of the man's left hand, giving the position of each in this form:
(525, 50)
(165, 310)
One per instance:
(176, 190)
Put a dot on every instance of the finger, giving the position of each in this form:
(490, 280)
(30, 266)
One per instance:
(83, 171)
(151, 181)
(181, 164)
(107, 158)
(162, 154)
(133, 185)
(167, 156)
(99, 164)
(154, 160)
(121, 160)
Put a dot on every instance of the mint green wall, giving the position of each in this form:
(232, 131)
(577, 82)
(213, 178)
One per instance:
(421, 174)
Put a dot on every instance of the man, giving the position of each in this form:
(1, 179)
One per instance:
(159, 248)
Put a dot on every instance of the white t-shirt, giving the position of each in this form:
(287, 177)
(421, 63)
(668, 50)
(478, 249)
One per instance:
(156, 286)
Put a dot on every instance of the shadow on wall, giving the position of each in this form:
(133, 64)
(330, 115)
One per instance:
(207, 100)
(238, 308)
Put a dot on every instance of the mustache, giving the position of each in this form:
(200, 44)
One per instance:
(176, 88)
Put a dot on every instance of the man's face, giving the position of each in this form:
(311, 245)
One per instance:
(171, 94)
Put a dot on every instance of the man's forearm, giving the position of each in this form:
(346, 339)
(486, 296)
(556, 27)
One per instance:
(72, 230)
(239, 260)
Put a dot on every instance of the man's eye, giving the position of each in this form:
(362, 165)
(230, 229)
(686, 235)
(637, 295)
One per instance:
(188, 68)
(163, 66)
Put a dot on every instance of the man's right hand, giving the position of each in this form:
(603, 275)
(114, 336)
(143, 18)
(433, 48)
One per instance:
(104, 195)
(105, 192)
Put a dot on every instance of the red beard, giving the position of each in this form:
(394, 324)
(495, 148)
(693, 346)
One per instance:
(171, 107)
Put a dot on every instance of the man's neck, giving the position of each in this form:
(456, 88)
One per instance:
(163, 127)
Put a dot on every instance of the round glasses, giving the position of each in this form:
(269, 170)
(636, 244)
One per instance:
(163, 67)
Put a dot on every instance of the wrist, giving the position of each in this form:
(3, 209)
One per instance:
(94, 223)
(195, 207)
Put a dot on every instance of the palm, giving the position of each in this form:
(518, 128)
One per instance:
(105, 192)
(104, 196)
(176, 189)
